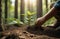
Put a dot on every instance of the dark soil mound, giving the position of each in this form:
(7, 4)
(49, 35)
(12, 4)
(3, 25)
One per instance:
(45, 31)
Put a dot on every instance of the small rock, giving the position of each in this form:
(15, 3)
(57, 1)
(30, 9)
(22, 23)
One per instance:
(31, 36)
(25, 32)
(20, 34)
(21, 37)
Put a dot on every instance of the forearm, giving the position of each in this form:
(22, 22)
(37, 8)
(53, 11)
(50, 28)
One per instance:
(47, 16)
(50, 14)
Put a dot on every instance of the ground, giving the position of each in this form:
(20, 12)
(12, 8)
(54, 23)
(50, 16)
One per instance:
(24, 32)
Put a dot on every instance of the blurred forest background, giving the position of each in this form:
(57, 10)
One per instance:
(25, 11)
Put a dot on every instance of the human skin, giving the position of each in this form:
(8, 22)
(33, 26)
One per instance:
(46, 17)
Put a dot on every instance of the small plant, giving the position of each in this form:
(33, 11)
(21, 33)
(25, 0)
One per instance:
(30, 17)
(14, 21)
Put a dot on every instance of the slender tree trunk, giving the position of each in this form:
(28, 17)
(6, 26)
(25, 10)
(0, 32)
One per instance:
(0, 15)
(9, 8)
(29, 7)
(51, 0)
(46, 5)
(39, 8)
(54, 0)
(22, 11)
(6, 11)
(16, 9)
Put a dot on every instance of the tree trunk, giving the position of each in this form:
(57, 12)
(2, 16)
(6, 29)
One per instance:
(6, 11)
(51, 1)
(16, 9)
(39, 8)
(29, 5)
(22, 11)
(46, 5)
(54, 0)
(0, 16)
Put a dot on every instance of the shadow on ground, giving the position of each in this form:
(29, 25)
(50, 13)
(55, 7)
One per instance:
(48, 32)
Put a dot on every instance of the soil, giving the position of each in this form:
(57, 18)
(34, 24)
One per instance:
(25, 32)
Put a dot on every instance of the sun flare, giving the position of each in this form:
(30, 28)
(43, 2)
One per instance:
(31, 1)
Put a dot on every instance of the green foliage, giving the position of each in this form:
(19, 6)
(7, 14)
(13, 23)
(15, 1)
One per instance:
(49, 22)
(30, 13)
(30, 17)
(14, 21)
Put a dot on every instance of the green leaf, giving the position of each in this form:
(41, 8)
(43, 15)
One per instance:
(29, 13)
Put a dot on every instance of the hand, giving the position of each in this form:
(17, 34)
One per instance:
(39, 21)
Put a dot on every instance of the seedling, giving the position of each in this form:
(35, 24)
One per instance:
(30, 17)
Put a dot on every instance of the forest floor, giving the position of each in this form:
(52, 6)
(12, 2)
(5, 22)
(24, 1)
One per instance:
(24, 32)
